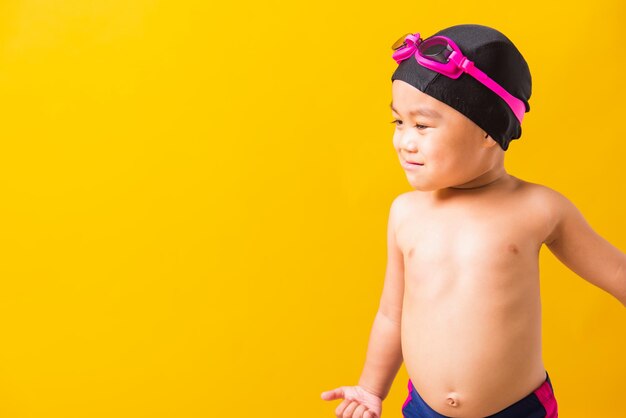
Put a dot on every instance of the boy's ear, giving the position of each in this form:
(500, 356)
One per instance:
(488, 141)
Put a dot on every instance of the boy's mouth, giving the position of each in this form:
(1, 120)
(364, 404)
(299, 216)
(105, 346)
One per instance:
(410, 165)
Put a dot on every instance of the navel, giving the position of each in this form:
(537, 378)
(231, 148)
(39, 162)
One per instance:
(453, 399)
(410, 253)
(513, 248)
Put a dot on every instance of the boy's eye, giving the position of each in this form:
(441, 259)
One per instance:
(398, 122)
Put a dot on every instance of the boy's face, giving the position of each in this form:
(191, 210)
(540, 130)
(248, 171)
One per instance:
(451, 149)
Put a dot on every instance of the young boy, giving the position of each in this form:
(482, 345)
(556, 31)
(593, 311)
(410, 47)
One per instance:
(460, 303)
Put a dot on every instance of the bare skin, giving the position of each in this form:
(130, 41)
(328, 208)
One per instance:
(461, 303)
(471, 318)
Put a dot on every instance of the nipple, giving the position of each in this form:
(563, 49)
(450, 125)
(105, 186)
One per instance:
(452, 400)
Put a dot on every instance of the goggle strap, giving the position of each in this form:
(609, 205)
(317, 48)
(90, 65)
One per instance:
(514, 103)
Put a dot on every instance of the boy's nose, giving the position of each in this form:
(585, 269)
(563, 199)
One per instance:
(409, 143)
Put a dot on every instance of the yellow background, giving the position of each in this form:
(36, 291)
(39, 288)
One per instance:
(194, 198)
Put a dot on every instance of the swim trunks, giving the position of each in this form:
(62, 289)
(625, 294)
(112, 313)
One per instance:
(541, 403)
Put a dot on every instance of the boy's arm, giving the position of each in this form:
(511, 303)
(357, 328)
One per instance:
(384, 353)
(586, 253)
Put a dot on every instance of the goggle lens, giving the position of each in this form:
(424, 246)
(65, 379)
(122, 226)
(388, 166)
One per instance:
(400, 42)
(436, 49)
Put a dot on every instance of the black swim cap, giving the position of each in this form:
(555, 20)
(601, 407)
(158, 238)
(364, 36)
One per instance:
(496, 56)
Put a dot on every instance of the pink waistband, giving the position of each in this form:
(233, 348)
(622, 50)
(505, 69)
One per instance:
(547, 399)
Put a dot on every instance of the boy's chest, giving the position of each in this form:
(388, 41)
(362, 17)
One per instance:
(469, 238)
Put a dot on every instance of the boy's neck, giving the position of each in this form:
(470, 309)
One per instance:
(492, 179)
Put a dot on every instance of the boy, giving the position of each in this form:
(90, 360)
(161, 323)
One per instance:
(460, 303)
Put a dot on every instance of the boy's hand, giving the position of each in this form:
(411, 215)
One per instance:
(357, 402)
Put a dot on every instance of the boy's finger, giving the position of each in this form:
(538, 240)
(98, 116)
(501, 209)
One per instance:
(341, 407)
(350, 409)
(358, 412)
(331, 395)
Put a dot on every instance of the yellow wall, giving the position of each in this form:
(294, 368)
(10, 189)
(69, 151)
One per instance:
(194, 198)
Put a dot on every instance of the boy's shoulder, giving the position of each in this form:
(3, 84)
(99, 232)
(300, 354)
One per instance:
(526, 194)
(403, 201)
(400, 206)
(543, 195)
(541, 202)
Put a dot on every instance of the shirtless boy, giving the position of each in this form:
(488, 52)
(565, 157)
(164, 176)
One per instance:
(460, 303)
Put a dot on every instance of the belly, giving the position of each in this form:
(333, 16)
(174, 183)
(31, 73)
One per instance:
(473, 335)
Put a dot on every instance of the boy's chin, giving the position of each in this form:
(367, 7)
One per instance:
(422, 187)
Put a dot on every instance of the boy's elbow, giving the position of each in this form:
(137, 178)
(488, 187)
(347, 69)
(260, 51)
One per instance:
(616, 285)
(393, 315)
(622, 298)
(620, 294)
(622, 281)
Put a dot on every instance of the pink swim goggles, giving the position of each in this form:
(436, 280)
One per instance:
(441, 54)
